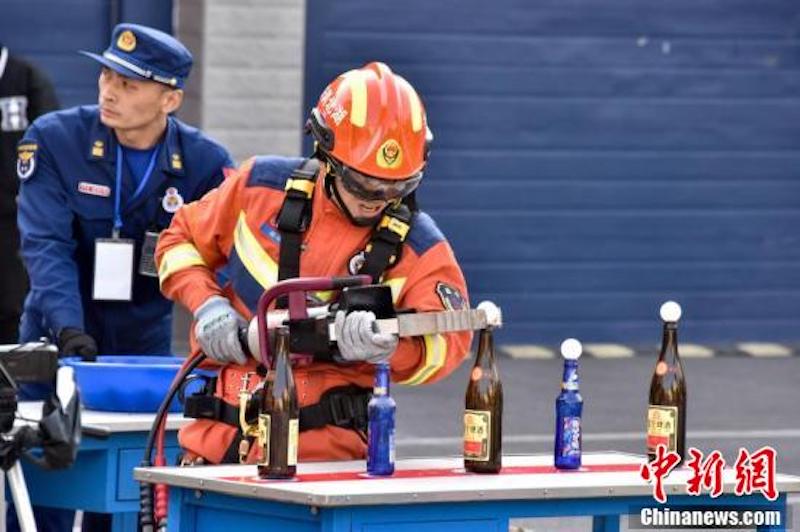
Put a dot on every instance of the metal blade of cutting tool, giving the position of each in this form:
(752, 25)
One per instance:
(422, 323)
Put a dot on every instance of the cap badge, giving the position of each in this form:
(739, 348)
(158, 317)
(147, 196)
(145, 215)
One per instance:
(126, 41)
(172, 200)
(390, 155)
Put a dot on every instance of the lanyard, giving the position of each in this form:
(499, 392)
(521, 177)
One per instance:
(118, 189)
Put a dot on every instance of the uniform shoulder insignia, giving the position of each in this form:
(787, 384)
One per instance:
(451, 297)
(26, 159)
(424, 233)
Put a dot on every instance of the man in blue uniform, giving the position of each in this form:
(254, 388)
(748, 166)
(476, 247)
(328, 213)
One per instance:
(97, 185)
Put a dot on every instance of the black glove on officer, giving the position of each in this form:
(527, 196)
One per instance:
(74, 341)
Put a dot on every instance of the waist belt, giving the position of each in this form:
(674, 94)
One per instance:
(344, 407)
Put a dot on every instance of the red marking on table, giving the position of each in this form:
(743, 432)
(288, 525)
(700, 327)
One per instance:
(439, 472)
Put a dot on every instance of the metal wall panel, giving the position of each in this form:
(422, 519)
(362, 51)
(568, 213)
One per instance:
(594, 158)
(50, 32)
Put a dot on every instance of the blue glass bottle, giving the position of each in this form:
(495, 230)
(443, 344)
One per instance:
(381, 409)
(569, 406)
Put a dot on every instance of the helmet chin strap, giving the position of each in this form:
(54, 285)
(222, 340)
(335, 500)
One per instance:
(332, 189)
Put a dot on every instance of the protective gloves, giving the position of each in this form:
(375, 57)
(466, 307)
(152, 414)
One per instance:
(217, 330)
(356, 340)
(72, 342)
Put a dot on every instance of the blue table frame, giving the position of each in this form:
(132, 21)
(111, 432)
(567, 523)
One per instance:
(195, 511)
(101, 480)
(333, 498)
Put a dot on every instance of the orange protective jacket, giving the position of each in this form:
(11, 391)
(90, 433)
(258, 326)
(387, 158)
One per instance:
(230, 237)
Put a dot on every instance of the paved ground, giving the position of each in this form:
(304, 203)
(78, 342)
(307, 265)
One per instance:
(732, 402)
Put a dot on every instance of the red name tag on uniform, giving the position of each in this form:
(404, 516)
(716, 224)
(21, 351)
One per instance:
(94, 190)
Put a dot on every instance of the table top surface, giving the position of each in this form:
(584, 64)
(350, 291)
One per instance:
(106, 422)
(424, 480)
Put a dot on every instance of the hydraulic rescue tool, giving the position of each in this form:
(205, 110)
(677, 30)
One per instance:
(312, 337)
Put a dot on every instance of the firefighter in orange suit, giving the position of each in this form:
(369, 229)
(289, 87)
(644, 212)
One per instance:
(348, 209)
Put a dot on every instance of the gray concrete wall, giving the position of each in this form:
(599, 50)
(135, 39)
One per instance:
(246, 87)
(249, 89)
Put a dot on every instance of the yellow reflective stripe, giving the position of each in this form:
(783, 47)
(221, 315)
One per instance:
(255, 259)
(396, 285)
(435, 351)
(324, 295)
(178, 258)
(395, 225)
(306, 186)
(416, 110)
(358, 98)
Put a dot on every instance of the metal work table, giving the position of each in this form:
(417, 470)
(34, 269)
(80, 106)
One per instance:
(101, 480)
(427, 494)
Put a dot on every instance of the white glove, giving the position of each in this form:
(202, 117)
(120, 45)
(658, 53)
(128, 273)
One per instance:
(217, 330)
(357, 341)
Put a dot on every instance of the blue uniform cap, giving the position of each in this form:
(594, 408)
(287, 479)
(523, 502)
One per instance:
(140, 52)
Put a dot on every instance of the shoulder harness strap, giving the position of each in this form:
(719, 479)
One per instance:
(383, 250)
(295, 216)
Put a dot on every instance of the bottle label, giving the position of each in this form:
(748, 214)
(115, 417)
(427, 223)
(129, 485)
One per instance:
(264, 424)
(294, 432)
(570, 381)
(662, 427)
(477, 432)
(570, 444)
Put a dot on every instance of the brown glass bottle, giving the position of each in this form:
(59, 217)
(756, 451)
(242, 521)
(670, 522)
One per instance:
(666, 412)
(278, 423)
(483, 415)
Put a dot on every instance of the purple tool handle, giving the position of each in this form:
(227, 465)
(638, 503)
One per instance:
(296, 289)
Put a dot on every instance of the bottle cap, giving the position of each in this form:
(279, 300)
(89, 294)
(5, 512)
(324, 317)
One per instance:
(571, 349)
(494, 316)
(670, 311)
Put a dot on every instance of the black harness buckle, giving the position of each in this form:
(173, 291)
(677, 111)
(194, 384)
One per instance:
(342, 410)
(348, 407)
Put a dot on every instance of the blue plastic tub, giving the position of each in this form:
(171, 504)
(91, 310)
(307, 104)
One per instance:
(125, 383)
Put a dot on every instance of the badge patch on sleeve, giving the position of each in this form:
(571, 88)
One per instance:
(356, 263)
(450, 296)
(26, 159)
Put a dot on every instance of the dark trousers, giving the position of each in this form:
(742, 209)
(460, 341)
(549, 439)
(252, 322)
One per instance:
(13, 281)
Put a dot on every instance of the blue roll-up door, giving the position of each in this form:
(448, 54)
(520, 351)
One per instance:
(593, 159)
(50, 32)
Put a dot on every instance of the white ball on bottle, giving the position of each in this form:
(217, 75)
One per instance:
(494, 316)
(670, 311)
(571, 349)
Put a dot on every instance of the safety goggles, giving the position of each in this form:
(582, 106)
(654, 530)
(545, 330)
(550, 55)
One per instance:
(369, 188)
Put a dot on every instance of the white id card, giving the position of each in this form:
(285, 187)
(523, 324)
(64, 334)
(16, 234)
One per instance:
(113, 269)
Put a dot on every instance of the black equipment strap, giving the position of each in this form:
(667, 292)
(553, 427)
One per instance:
(295, 216)
(344, 407)
(383, 249)
(231, 455)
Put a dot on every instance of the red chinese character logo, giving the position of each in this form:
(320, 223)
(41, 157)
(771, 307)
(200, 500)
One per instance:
(756, 472)
(658, 469)
(705, 474)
